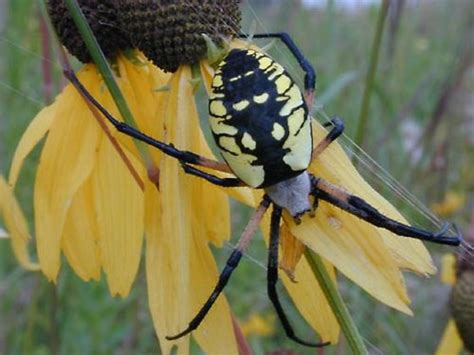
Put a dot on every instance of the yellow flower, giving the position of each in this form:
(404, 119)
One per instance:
(451, 203)
(450, 342)
(258, 325)
(95, 200)
(90, 206)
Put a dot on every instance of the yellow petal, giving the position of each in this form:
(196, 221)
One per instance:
(79, 240)
(308, 296)
(292, 250)
(119, 208)
(448, 269)
(451, 342)
(66, 161)
(138, 83)
(354, 249)
(15, 223)
(335, 166)
(36, 130)
(185, 262)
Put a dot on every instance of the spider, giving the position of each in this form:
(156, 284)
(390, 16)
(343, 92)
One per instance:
(260, 122)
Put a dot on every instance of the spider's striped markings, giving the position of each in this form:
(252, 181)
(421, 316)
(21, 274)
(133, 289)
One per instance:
(259, 119)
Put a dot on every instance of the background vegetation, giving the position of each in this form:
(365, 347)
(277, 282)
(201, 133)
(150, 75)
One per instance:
(420, 128)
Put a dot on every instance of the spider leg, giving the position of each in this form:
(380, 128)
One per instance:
(169, 149)
(213, 179)
(358, 207)
(272, 279)
(333, 134)
(231, 264)
(310, 74)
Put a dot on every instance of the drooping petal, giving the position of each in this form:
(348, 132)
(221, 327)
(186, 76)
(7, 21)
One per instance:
(451, 342)
(356, 251)
(15, 223)
(119, 207)
(36, 130)
(186, 262)
(66, 161)
(292, 251)
(79, 240)
(139, 82)
(335, 166)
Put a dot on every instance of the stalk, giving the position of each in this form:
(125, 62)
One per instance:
(104, 68)
(370, 77)
(348, 326)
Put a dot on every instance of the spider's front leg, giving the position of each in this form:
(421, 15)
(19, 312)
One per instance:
(310, 74)
(356, 206)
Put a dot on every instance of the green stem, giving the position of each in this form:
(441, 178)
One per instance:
(348, 327)
(370, 77)
(104, 68)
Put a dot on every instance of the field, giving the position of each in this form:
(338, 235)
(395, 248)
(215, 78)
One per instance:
(417, 123)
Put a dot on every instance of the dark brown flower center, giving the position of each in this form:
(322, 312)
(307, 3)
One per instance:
(102, 17)
(170, 32)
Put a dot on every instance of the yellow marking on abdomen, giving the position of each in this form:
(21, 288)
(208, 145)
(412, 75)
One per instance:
(295, 100)
(217, 81)
(282, 83)
(248, 142)
(217, 108)
(241, 166)
(229, 144)
(300, 147)
(264, 63)
(276, 69)
(235, 78)
(241, 105)
(260, 99)
(295, 120)
(278, 131)
(219, 127)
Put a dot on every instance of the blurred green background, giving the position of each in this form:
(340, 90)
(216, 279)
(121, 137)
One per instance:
(420, 128)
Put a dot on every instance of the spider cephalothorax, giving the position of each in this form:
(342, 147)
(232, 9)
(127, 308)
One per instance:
(259, 118)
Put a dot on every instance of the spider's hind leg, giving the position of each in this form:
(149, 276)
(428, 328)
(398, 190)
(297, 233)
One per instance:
(358, 207)
(272, 279)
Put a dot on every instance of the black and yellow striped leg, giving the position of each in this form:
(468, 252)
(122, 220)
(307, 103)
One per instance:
(358, 207)
(337, 129)
(310, 74)
(272, 279)
(224, 182)
(169, 149)
(231, 264)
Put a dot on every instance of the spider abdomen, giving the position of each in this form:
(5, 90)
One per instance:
(259, 119)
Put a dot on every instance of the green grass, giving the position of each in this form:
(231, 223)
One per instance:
(77, 317)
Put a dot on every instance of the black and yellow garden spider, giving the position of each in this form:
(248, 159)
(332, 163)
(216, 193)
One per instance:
(260, 122)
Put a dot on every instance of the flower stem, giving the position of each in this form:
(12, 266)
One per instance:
(104, 68)
(348, 327)
(370, 78)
